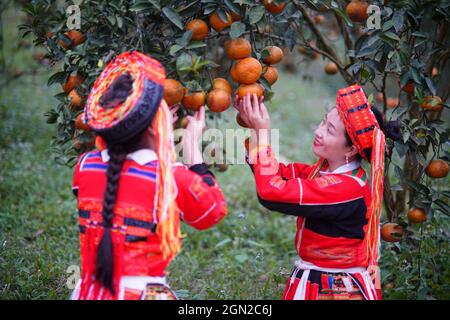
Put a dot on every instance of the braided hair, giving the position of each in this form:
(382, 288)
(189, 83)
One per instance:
(117, 93)
(104, 261)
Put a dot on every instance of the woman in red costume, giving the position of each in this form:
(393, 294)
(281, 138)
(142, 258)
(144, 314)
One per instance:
(338, 209)
(132, 195)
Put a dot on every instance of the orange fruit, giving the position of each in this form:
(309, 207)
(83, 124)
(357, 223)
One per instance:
(235, 16)
(243, 89)
(271, 74)
(247, 71)
(331, 68)
(434, 72)
(216, 22)
(72, 82)
(357, 10)
(319, 19)
(417, 215)
(302, 50)
(391, 232)
(433, 103)
(233, 73)
(409, 88)
(240, 121)
(79, 124)
(221, 83)
(272, 7)
(437, 169)
(392, 102)
(193, 100)
(173, 92)
(75, 36)
(238, 48)
(218, 100)
(380, 97)
(199, 29)
(75, 99)
(275, 55)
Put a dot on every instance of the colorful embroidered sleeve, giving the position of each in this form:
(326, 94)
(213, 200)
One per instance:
(287, 171)
(200, 198)
(333, 196)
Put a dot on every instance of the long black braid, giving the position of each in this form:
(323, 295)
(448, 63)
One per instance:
(104, 260)
(117, 93)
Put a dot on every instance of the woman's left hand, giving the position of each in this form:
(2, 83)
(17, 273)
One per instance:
(254, 112)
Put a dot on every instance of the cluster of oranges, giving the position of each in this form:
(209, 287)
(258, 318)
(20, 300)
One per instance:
(246, 70)
(393, 232)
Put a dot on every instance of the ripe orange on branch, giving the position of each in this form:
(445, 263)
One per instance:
(217, 23)
(79, 124)
(331, 68)
(357, 10)
(221, 83)
(433, 103)
(199, 29)
(75, 99)
(173, 92)
(243, 89)
(247, 71)
(417, 215)
(193, 100)
(218, 100)
(437, 169)
(275, 55)
(238, 48)
(319, 19)
(391, 232)
(272, 7)
(271, 74)
(72, 82)
(392, 102)
(75, 36)
(409, 88)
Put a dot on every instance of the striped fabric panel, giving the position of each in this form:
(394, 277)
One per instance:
(149, 175)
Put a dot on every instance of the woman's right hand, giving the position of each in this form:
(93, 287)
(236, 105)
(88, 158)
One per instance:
(192, 137)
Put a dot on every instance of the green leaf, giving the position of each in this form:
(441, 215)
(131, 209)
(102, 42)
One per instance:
(390, 35)
(173, 16)
(58, 77)
(193, 86)
(232, 6)
(237, 29)
(174, 49)
(196, 45)
(344, 16)
(256, 13)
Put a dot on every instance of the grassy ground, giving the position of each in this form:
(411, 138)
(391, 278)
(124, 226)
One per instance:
(247, 256)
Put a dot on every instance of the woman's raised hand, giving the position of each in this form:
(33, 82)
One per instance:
(253, 111)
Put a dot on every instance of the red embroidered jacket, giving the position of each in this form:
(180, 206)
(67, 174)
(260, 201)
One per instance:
(331, 208)
(200, 201)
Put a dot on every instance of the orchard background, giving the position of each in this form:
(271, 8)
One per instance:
(399, 53)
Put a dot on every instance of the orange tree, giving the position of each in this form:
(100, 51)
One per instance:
(398, 50)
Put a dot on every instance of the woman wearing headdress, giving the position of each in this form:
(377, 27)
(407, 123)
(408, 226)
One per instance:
(132, 195)
(338, 209)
